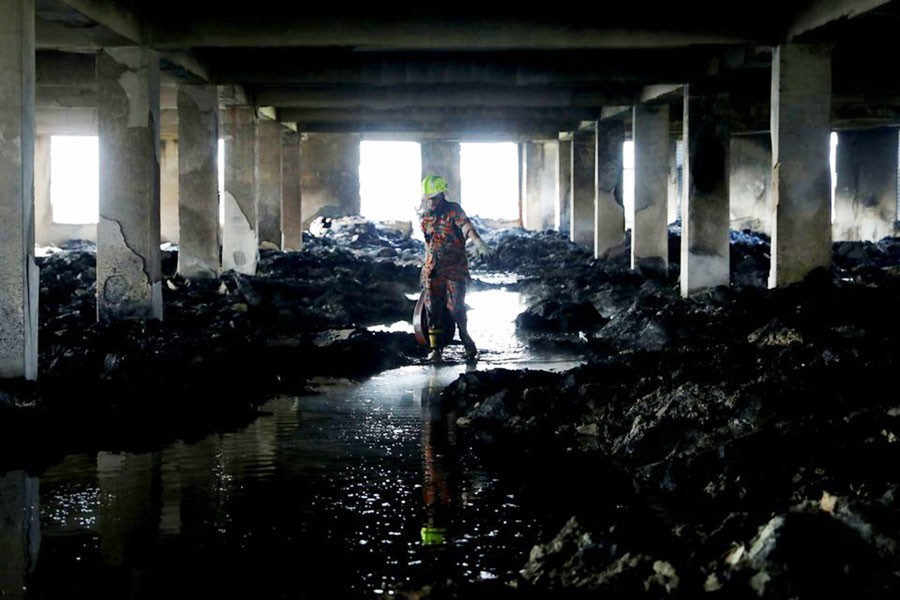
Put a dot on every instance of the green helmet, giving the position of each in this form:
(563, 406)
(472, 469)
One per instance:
(433, 185)
(433, 536)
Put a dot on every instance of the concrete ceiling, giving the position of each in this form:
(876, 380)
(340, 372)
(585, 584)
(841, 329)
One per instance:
(475, 70)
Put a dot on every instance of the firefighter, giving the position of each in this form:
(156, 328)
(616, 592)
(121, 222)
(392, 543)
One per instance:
(446, 227)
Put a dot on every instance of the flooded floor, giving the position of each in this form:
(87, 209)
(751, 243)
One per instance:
(356, 492)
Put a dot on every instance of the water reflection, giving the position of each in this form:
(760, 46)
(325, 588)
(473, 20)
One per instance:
(360, 489)
(441, 463)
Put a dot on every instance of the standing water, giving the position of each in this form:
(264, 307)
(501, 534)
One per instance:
(356, 492)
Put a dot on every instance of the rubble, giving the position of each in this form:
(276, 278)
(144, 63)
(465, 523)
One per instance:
(745, 438)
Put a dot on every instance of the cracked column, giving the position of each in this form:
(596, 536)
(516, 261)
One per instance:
(750, 182)
(865, 195)
(801, 177)
(562, 218)
(240, 246)
(584, 189)
(329, 175)
(704, 209)
(128, 232)
(442, 158)
(609, 210)
(268, 182)
(291, 207)
(650, 235)
(198, 181)
(18, 272)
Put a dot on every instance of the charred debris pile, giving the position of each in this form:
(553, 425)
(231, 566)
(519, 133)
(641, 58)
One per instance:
(742, 443)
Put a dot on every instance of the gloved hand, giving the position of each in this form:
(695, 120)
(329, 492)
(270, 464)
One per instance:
(482, 250)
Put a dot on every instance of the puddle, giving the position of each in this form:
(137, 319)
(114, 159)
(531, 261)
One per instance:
(357, 491)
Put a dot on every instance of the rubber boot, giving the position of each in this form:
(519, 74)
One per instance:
(434, 339)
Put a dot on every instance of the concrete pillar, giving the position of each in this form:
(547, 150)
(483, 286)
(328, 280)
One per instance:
(584, 189)
(704, 225)
(128, 232)
(291, 207)
(168, 191)
(750, 182)
(18, 272)
(532, 159)
(540, 161)
(240, 246)
(198, 181)
(801, 177)
(650, 235)
(562, 220)
(329, 175)
(20, 531)
(442, 158)
(609, 210)
(548, 183)
(865, 195)
(268, 182)
(674, 182)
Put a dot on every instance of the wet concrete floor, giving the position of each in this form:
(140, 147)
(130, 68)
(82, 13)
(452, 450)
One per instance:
(360, 491)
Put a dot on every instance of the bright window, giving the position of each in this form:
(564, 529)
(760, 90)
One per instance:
(74, 179)
(390, 176)
(490, 179)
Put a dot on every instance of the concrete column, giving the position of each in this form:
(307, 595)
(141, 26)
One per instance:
(198, 181)
(20, 531)
(532, 159)
(268, 182)
(540, 164)
(291, 213)
(865, 195)
(650, 234)
(18, 272)
(168, 191)
(750, 182)
(704, 224)
(562, 218)
(673, 189)
(329, 175)
(584, 189)
(609, 210)
(801, 177)
(442, 158)
(240, 246)
(548, 183)
(128, 232)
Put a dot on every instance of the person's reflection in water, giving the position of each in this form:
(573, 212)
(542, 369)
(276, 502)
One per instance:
(441, 466)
